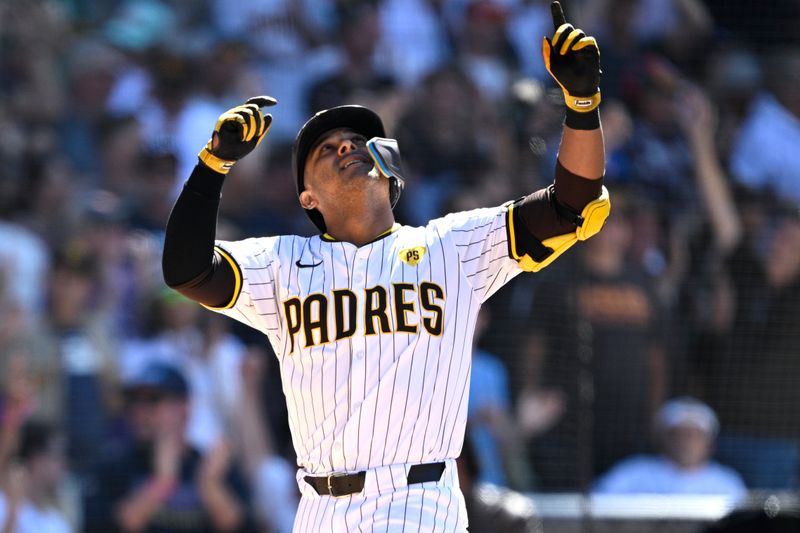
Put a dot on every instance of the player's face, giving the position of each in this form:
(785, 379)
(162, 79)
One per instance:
(338, 167)
(340, 152)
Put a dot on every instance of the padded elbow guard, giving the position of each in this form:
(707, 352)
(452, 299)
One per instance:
(533, 255)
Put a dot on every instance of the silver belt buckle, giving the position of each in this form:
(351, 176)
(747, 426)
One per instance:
(330, 487)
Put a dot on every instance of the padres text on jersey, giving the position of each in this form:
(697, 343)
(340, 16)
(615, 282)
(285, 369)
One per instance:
(374, 342)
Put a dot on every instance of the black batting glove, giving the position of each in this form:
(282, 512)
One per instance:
(237, 132)
(573, 59)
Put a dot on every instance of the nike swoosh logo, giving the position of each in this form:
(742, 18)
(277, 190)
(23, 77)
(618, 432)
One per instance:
(310, 265)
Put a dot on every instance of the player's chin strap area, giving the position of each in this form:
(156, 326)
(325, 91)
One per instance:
(386, 155)
(533, 255)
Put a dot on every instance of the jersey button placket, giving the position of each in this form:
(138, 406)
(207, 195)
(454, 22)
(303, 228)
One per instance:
(360, 268)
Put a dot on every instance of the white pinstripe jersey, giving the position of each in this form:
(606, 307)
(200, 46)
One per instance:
(374, 342)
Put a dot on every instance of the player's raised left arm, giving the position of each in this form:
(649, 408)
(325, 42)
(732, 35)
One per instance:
(546, 223)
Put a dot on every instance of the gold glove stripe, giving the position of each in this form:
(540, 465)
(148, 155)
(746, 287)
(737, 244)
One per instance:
(569, 40)
(213, 162)
(584, 42)
(256, 127)
(581, 104)
(249, 131)
(561, 30)
(237, 275)
(227, 117)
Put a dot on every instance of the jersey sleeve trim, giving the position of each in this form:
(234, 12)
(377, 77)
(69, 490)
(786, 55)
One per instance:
(510, 233)
(237, 275)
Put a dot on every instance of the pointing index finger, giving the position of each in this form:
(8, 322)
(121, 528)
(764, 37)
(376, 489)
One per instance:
(262, 101)
(558, 14)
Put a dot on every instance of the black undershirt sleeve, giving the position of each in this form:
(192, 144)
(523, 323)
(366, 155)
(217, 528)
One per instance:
(189, 263)
(551, 211)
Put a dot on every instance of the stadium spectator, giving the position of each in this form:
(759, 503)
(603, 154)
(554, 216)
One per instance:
(658, 152)
(289, 41)
(483, 50)
(153, 185)
(33, 496)
(271, 476)
(201, 346)
(92, 69)
(753, 381)
(597, 326)
(696, 285)
(749, 316)
(360, 70)
(496, 442)
(686, 432)
(414, 21)
(24, 262)
(732, 79)
(438, 162)
(74, 350)
(764, 155)
(157, 482)
(531, 17)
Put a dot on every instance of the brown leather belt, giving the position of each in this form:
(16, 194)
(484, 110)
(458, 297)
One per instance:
(345, 484)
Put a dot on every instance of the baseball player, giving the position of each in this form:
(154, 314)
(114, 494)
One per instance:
(372, 321)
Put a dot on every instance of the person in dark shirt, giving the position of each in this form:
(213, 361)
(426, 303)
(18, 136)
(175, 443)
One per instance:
(595, 337)
(754, 379)
(158, 483)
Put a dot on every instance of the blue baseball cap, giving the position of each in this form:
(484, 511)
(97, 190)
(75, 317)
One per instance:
(161, 377)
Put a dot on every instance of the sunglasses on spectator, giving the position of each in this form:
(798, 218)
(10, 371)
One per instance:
(147, 398)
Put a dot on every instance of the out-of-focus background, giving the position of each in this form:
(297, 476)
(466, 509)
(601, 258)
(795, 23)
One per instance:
(649, 379)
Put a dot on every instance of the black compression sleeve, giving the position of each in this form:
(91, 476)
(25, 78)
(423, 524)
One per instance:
(189, 263)
(575, 191)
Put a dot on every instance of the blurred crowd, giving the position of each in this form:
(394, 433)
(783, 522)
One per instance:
(124, 407)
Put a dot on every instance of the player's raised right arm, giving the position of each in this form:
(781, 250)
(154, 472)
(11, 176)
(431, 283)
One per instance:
(190, 264)
(546, 223)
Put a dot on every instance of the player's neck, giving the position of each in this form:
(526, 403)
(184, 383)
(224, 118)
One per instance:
(362, 229)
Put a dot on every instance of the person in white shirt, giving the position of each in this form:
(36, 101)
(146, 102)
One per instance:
(29, 502)
(687, 429)
(764, 156)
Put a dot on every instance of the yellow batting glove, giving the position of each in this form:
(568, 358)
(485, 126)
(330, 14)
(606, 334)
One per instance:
(573, 59)
(237, 132)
